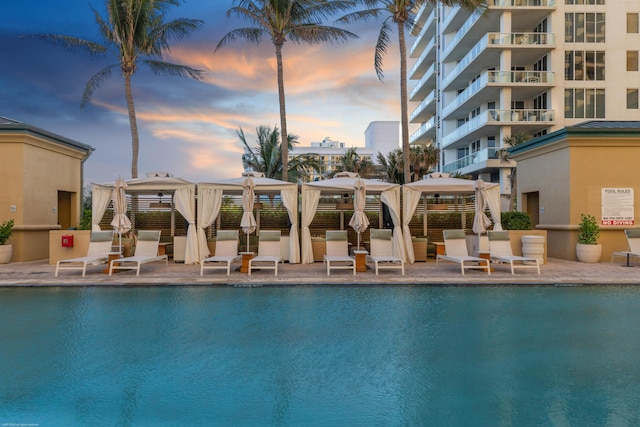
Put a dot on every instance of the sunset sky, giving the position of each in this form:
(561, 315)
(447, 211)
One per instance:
(188, 127)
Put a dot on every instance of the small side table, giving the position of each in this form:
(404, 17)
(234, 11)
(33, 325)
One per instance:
(162, 247)
(439, 248)
(486, 255)
(361, 260)
(246, 256)
(112, 256)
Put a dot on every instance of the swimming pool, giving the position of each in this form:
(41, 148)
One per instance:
(323, 356)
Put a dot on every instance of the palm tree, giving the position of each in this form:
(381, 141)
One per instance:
(266, 156)
(353, 162)
(423, 159)
(299, 21)
(135, 32)
(505, 157)
(401, 13)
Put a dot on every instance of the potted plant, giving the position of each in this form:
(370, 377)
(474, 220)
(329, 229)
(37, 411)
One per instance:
(588, 249)
(6, 230)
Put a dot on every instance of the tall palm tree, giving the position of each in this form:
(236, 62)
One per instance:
(135, 33)
(402, 14)
(505, 157)
(392, 166)
(266, 156)
(299, 21)
(353, 162)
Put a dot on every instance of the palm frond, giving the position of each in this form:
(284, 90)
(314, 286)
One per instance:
(168, 69)
(94, 82)
(316, 34)
(72, 44)
(382, 45)
(253, 35)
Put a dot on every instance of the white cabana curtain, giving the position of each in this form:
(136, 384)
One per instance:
(310, 200)
(410, 202)
(492, 196)
(100, 198)
(392, 200)
(183, 198)
(209, 203)
(290, 201)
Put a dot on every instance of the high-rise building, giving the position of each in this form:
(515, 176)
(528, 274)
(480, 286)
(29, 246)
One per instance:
(328, 152)
(532, 66)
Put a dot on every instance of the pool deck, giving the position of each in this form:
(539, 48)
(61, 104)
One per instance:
(555, 272)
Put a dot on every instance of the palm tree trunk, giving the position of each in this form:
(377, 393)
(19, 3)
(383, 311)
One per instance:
(514, 191)
(283, 114)
(135, 140)
(403, 101)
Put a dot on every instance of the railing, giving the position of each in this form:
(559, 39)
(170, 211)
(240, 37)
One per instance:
(473, 158)
(522, 39)
(497, 116)
(522, 3)
(422, 130)
(426, 52)
(466, 94)
(427, 75)
(428, 100)
(423, 30)
(462, 32)
(547, 77)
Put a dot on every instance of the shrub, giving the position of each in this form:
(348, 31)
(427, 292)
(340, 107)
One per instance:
(6, 230)
(515, 221)
(589, 230)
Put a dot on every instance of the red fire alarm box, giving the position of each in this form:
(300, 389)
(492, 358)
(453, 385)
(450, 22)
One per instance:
(67, 241)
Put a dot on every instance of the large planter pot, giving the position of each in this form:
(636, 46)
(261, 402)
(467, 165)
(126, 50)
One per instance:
(5, 253)
(588, 253)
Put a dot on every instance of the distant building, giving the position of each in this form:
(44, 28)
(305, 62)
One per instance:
(329, 152)
(382, 137)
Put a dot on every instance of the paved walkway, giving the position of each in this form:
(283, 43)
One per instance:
(555, 272)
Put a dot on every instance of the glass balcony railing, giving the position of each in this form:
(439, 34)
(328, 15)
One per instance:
(428, 100)
(462, 32)
(522, 39)
(522, 3)
(507, 77)
(498, 116)
(471, 159)
(427, 75)
(422, 130)
(429, 50)
(419, 39)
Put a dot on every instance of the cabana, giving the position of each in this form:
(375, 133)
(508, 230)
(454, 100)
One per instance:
(442, 183)
(183, 194)
(210, 201)
(341, 184)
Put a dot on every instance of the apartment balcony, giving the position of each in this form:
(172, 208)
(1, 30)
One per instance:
(488, 123)
(426, 84)
(426, 133)
(426, 109)
(465, 37)
(454, 18)
(427, 32)
(525, 49)
(527, 13)
(475, 161)
(525, 85)
(425, 61)
(424, 13)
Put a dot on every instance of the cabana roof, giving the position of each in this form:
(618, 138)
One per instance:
(343, 183)
(438, 182)
(152, 183)
(263, 186)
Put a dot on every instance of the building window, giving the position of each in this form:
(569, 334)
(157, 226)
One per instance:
(632, 60)
(587, 65)
(580, 103)
(632, 23)
(584, 27)
(632, 99)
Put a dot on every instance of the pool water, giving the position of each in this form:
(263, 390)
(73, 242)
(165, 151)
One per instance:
(321, 356)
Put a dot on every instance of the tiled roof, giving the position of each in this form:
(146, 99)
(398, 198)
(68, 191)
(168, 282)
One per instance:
(604, 124)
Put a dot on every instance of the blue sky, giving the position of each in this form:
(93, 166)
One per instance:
(188, 127)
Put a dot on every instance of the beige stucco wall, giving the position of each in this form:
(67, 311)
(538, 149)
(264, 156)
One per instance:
(569, 175)
(33, 169)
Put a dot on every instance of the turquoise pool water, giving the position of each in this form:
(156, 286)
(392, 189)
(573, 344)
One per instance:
(322, 356)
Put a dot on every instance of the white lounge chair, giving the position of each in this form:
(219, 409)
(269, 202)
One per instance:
(337, 252)
(500, 250)
(382, 251)
(98, 253)
(455, 248)
(633, 246)
(226, 252)
(146, 251)
(269, 255)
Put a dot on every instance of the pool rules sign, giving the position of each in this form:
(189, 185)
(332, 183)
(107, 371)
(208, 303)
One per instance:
(617, 206)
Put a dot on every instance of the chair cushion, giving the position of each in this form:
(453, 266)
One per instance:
(498, 235)
(381, 234)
